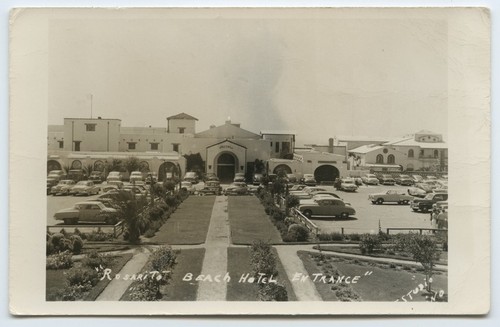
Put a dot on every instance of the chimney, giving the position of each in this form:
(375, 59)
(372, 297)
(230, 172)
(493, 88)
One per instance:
(330, 145)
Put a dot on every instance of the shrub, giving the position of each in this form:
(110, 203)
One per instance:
(98, 236)
(355, 237)
(81, 279)
(278, 215)
(273, 292)
(298, 233)
(61, 260)
(162, 260)
(94, 259)
(369, 243)
(335, 236)
(76, 244)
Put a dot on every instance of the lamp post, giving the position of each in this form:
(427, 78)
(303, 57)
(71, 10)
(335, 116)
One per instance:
(180, 174)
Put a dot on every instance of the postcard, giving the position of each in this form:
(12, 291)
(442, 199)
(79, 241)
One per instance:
(249, 161)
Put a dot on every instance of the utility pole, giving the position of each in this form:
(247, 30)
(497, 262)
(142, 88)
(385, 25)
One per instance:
(91, 104)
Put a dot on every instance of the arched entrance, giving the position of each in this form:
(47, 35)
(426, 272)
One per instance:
(99, 165)
(226, 167)
(53, 165)
(167, 170)
(326, 173)
(282, 167)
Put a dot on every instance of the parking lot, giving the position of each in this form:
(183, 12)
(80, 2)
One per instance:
(366, 219)
(368, 215)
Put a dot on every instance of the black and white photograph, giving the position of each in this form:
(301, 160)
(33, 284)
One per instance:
(250, 160)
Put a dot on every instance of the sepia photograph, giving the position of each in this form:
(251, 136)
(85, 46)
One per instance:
(245, 155)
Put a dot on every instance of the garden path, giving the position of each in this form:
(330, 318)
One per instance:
(116, 288)
(304, 289)
(215, 261)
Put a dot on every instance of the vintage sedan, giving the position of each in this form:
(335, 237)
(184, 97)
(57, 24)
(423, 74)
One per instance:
(63, 187)
(417, 192)
(88, 211)
(387, 180)
(370, 179)
(211, 187)
(85, 188)
(188, 186)
(404, 180)
(326, 207)
(348, 185)
(390, 196)
(237, 188)
(309, 180)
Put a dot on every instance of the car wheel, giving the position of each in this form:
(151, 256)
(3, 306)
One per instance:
(344, 215)
(374, 202)
(406, 202)
(414, 209)
(110, 220)
(380, 201)
(307, 213)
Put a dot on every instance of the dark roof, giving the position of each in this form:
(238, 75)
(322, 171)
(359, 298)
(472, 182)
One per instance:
(182, 115)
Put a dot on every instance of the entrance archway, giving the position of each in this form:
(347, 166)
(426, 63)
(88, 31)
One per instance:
(326, 173)
(226, 167)
(167, 170)
(53, 165)
(282, 167)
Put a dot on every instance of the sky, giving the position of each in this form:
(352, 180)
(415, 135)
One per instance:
(322, 78)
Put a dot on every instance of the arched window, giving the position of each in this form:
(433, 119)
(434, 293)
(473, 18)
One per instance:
(391, 159)
(436, 153)
(380, 159)
(410, 153)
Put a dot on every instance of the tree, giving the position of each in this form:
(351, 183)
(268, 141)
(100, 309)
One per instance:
(425, 251)
(114, 165)
(291, 201)
(194, 162)
(133, 212)
(131, 164)
(259, 166)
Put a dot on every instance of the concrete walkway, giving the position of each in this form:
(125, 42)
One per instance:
(215, 261)
(117, 287)
(304, 290)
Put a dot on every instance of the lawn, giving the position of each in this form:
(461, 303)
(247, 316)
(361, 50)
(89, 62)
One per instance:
(188, 224)
(238, 264)
(55, 279)
(384, 282)
(249, 222)
(355, 250)
(188, 261)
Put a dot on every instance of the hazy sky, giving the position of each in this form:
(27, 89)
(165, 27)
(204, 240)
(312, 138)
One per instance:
(319, 77)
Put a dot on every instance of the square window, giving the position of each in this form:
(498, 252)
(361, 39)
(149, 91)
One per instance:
(175, 147)
(61, 144)
(154, 146)
(90, 127)
(131, 145)
(181, 130)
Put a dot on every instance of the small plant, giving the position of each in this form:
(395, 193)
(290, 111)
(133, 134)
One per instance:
(298, 233)
(61, 260)
(355, 237)
(369, 243)
(94, 259)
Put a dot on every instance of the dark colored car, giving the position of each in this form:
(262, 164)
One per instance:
(426, 204)
(387, 180)
(97, 177)
(404, 180)
(238, 188)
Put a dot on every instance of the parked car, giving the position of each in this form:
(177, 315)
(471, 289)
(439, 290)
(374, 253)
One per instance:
(424, 186)
(63, 187)
(75, 174)
(88, 211)
(257, 179)
(239, 177)
(348, 185)
(118, 184)
(191, 176)
(138, 192)
(426, 203)
(358, 181)
(237, 188)
(188, 186)
(387, 180)
(390, 196)
(297, 187)
(404, 180)
(96, 176)
(114, 176)
(211, 177)
(327, 193)
(326, 207)
(85, 188)
(370, 179)
(211, 187)
(309, 180)
(417, 192)
(311, 190)
(417, 179)
(136, 176)
(54, 177)
(291, 178)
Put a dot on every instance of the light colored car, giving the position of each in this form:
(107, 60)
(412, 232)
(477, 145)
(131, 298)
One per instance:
(188, 186)
(404, 180)
(309, 180)
(85, 188)
(114, 176)
(390, 196)
(387, 180)
(63, 187)
(211, 187)
(370, 179)
(54, 177)
(297, 187)
(192, 177)
(238, 188)
(348, 185)
(239, 177)
(136, 176)
(417, 192)
(88, 211)
(326, 207)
